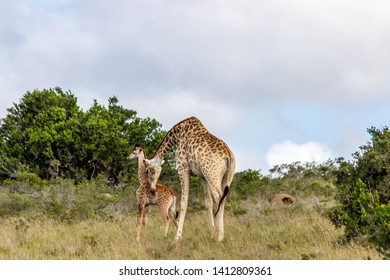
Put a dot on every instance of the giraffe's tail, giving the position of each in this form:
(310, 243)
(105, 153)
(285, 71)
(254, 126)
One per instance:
(225, 192)
(176, 205)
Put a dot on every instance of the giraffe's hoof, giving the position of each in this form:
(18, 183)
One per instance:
(217, 235)
(177, 238)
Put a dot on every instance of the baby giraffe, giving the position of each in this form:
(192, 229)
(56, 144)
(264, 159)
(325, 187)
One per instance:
(164, 197)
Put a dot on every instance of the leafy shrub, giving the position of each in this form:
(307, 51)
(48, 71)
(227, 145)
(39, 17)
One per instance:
(247, 183)
(365, 216)
(63, 199)
(363, 192)
(20, 202)
(238, 210)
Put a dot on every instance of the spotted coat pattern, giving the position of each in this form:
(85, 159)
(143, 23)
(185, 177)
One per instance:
(199, 153)
(164, 197)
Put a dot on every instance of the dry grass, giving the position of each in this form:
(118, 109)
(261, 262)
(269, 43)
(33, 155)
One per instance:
(291, 232)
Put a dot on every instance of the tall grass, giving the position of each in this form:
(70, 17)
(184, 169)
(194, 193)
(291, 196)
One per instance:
(292, 232)
(90, 220)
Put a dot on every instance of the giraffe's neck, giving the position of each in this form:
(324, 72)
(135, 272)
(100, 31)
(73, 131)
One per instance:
(182, 130)
(169, 140)
(142, 176)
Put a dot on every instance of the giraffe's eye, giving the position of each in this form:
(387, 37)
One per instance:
(147, 171)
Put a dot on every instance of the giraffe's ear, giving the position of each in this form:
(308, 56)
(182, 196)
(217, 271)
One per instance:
(162, 162)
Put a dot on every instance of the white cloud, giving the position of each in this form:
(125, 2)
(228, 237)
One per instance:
(170, 107)
(248, 158)
(289, 152)
(245, 52)
(233, 64)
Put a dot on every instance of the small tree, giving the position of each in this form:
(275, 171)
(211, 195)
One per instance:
(106, 134)
(363, 191)
(42, 131)
(248, 182)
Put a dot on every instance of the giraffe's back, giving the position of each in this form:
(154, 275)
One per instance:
(206, 155)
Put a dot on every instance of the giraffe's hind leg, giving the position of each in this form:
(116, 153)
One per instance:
(219, 230)
(208, 200)
(215, 187)
(172, 211)
(163, 209)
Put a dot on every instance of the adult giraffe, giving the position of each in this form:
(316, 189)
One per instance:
(201, 154)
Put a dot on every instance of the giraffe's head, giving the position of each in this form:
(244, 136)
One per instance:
(153, 169)
(136, 153)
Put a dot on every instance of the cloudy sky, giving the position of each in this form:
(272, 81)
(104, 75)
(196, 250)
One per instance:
(278, 81)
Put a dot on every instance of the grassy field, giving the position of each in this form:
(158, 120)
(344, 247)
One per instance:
(265, 231)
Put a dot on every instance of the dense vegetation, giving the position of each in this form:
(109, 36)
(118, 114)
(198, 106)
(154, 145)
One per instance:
(60, 163)
(363, 192)
(49, 135)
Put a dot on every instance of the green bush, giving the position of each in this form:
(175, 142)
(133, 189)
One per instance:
(247, 183)
(19, 202)
(365, 216)
(63, 199)
(363, 192)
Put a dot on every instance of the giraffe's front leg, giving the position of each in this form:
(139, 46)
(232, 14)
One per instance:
(140, 216)
(145, 219)
(185, 185)
(163, 209)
